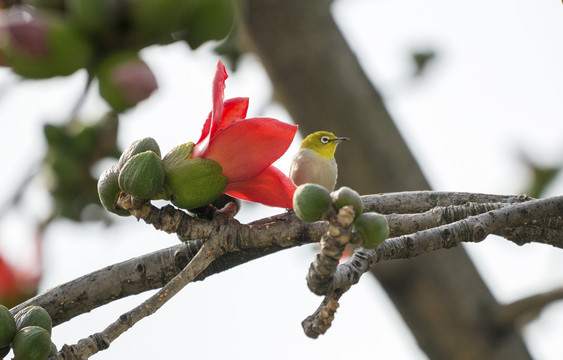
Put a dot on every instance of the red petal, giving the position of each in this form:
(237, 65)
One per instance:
(213, 122)
(8, 283)
(218, 93)
(272, 188)
(205, 129)
(233, 110)
(246, 148)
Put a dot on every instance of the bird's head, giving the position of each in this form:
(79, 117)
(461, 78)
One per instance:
(323, 143)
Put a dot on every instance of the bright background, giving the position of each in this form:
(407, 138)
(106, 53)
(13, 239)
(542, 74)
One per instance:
(494, 91)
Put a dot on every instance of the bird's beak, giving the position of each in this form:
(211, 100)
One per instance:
(340, 139)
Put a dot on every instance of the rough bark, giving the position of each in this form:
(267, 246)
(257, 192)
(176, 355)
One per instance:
(319, 80)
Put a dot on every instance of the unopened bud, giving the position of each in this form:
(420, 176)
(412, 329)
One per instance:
(192, 183)
(27, 32)
(38, 45)
(125, 80)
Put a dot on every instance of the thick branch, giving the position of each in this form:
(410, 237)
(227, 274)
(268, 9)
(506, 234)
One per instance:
(257, 239)
(473, 229)
(420, 201)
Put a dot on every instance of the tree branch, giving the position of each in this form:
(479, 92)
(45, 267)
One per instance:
(521, 312)
(444, 227)
(333, 243)
(472, 229)
(210, 250)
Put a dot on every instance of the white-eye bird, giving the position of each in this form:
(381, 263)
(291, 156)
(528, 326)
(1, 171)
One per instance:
(314, 162)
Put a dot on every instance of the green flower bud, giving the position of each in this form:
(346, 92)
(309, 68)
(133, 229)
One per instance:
(192, 183)
(142, 176)
(32, 343)
(41, 46)
(8, 326)
(346, 196)
(137, 147)
(53, 351)
(109, 190)
(311, 202)
(373, 229)
(33, 316)
(125, 80)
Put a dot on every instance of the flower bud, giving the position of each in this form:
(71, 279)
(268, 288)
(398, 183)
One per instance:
(142, 176)
(192, 183)
(38, 45)
(311, 202)
(108, 191)
(28, 34)
(137, 147)
(346, 196)
(8, 326)
(32, 343)
(125, 80)
(373, 229)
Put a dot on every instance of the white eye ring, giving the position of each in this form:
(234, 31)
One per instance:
(325, 140)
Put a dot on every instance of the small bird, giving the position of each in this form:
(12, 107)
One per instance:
(314, 162)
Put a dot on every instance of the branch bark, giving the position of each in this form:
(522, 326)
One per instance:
(254, 240)
(472, 229)
(85, 348)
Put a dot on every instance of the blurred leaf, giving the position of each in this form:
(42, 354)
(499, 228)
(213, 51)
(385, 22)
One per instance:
(229, 48)
(72, 150)
(206, 20)
(421, 60)
(542, 178)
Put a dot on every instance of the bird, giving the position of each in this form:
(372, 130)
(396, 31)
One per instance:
(314, 162)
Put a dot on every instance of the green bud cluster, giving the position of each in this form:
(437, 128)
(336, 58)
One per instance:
(188, 183)
(28, 333)
(46, 38)
(139, 172)
(312, 202)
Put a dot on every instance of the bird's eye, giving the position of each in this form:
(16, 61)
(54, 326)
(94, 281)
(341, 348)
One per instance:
(325, 140)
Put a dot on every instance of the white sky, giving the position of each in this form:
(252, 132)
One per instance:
(494, 90)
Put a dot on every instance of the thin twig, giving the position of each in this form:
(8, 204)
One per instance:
(81, 99)
(210, 251)
(521, 312)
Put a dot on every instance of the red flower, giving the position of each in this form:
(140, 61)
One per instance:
(246, 149)
(15, 285)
